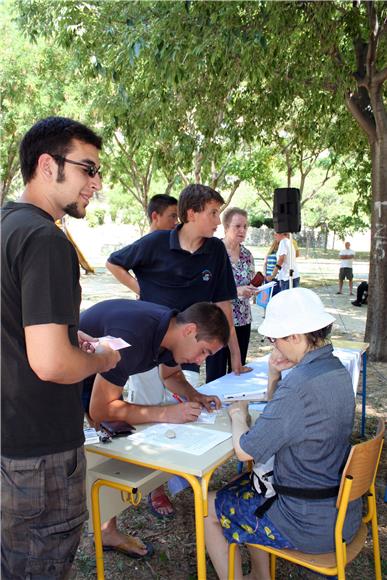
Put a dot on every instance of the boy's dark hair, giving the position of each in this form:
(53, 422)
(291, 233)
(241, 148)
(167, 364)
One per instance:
(211, 321)
(229, 213)
(52, 135)
(159, 203)
(195, 196)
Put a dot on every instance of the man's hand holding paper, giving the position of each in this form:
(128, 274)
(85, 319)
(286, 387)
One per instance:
(113, 342)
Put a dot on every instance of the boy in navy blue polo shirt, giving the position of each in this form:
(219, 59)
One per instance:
(157, 336)
(186, 265)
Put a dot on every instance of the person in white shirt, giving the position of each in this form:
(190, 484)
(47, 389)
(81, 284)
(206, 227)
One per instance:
(346, 259)
(286, 261)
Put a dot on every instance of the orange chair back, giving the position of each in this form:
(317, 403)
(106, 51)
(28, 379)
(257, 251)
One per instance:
(362, 464)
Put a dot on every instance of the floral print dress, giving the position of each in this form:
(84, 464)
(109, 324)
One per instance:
(243, 271)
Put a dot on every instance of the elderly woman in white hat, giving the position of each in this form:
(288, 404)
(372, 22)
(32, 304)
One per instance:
(306, 427)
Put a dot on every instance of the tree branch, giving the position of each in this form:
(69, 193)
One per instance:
(134, 174)
(128, 188)
(183, 176)
(265, 201)
(235, 186)
(170, 182)
(148, 172)
(373, 39)
(218, 178)
(380, 76)
(352, 103)
(320, 186)
(125, 155)
(198, 166)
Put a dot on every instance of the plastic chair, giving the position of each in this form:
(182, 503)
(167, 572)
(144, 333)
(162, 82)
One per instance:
(357, 480)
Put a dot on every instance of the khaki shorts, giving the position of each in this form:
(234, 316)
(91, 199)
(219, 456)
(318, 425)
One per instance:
(43, 511)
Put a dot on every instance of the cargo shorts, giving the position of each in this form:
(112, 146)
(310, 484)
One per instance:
(43, 511)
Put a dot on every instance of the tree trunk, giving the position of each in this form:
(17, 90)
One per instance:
(376, 327)
(308, 242)
(325, 232)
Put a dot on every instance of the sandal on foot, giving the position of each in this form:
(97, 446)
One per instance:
(123, 549)
(160, 501)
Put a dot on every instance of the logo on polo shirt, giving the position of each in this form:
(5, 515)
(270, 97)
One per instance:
(206, 275)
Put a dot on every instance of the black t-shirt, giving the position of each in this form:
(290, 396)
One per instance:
(142, 324)
(174, 277)
(39, 285)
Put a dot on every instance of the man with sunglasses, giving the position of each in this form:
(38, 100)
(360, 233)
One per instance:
(42, 463)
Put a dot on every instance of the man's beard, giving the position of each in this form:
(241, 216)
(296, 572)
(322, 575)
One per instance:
(73, 210)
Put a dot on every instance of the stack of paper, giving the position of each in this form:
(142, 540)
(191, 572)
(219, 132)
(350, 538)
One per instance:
(251, 386)
(187, 438)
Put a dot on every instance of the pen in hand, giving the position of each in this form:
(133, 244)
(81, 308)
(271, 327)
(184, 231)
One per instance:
(178, 399)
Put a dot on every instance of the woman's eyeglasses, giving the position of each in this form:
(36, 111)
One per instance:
(274, 340)
(90, 168)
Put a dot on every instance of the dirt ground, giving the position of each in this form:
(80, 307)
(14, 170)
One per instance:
(174, 539)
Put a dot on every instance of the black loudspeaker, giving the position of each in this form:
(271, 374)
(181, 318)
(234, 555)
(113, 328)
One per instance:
(287, 210)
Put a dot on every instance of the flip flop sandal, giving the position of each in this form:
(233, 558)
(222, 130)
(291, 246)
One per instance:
(122, 549)
(158, 502)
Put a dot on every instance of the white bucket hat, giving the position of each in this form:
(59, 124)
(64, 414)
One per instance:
(295, 311)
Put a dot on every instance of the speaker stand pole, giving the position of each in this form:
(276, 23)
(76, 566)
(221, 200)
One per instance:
(291, 265)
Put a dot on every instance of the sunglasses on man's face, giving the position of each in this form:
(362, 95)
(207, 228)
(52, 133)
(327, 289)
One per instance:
(90, 168)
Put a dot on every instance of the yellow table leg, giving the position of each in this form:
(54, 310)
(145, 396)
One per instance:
(205, 481)
(135, 498)
(200, 490)
(96, 515)
(199, 525)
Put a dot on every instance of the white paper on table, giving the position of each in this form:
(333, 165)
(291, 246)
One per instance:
(113, 342)
(247, 395)
(207, 417)
(91, 436)
(253, 383)
(189, 438)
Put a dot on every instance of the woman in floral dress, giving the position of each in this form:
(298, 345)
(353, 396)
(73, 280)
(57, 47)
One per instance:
(235, 225)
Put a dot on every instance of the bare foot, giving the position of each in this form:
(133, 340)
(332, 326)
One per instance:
(159, 503)
(115, 538)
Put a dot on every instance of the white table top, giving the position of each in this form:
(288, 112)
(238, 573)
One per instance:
(166, 460)
(144, 454)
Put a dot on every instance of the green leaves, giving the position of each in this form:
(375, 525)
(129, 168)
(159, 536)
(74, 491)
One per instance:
(223, 82)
